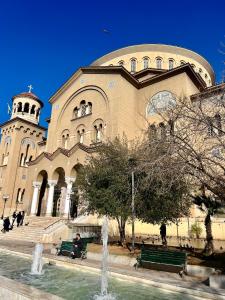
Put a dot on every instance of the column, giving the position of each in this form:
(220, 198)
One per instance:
(52, 184)
(36, 186)
(69, 182)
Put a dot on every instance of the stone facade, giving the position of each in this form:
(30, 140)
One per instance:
(109, 98)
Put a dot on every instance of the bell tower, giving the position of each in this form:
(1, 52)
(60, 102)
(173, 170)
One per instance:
(27, 106)
(20, 138)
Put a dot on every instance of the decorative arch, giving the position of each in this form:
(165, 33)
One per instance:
(78, 92)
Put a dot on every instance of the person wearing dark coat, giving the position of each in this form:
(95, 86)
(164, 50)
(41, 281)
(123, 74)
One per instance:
(163, 233)
(77, 246)
(6, 225)
(19, 218)
(22, 217)
(14, 215)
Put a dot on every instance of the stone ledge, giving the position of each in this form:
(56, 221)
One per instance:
(10, 289)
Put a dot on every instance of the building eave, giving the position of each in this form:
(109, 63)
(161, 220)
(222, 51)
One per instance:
(18, 119)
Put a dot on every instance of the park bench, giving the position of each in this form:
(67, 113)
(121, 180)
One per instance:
(163, 260)
(67, 247)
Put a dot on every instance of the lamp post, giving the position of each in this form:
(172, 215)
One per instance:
(5, 198)
(133, 211)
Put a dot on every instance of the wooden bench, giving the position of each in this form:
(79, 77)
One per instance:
(163, 260)
(67, 247)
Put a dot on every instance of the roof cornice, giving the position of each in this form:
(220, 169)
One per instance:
(18, 119)
(120, 70)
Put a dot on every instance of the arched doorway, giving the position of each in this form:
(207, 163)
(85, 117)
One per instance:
(42, 177)
(59, 192)
(76, 197)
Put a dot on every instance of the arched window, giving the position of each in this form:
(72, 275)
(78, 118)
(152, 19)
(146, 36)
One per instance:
(159, 63)
(218, 124)
(200, 71)
(162, 130)
(18, 195)
(121, 63)
(83, 108)
(171, 64)
(22, 196)
(19, 109)
(133, 65)
(171, 127)
(26, 107)
(206, 76)
(33, 109)
(98, 132)
(65, 140)
(89, 108)
(21, 160)
(75, 112)
(182, 62)
(193, 66)
(80, 136)
(145, 62)
(210, 127)
(152, 132)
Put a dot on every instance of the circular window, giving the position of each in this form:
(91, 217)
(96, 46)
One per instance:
(160, 102)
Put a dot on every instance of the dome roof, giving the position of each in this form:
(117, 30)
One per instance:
(29, 95)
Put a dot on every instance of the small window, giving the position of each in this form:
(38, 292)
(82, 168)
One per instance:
(200, 71)
(152, 132)
(193, 66)
(133, 65)
(162, 129)
(182, 62)
(218, 124)
(146, 62)
(158, 63)
(171, 64)
(121, 63)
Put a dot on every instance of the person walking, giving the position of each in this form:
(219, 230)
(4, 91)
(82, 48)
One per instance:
(22, 217)
(18, 218)
(14, 215)
(163, 233)
(6, 225)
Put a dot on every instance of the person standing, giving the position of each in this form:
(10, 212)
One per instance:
(6, 225)
(163, 233)
(14, 215)
(22, 217)
(18, 218)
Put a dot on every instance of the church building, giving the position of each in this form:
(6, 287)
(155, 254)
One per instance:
(111, 97)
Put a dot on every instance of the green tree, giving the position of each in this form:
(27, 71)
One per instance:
(105, 182)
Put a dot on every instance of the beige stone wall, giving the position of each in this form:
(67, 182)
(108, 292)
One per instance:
(152, 52)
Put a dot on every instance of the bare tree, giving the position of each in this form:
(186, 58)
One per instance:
(195, 133)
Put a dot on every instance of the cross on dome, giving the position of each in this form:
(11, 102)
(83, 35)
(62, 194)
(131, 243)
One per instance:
(30, 88)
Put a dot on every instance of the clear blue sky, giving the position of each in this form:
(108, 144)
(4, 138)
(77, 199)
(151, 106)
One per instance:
(43, 42)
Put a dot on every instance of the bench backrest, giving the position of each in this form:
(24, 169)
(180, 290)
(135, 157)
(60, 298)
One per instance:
(164, 256)
(68, 245)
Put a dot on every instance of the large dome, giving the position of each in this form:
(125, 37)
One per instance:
(157, 56)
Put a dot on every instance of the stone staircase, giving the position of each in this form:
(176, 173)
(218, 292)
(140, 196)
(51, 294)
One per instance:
(34, 232)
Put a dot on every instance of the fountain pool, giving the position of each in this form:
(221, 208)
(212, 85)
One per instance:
(79, 285)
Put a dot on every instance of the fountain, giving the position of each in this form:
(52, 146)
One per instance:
(37, 264)
(104, 275)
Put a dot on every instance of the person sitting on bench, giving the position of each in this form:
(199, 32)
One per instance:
(77, 247)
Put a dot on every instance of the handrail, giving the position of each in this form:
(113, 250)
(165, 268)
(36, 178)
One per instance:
(52, 224)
